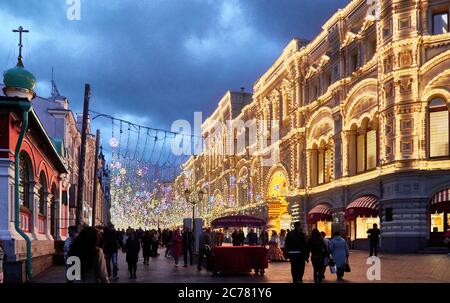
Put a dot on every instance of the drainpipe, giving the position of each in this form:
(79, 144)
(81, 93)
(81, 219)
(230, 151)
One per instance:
(25, 107)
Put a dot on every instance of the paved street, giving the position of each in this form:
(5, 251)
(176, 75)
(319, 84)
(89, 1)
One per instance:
(414, 268)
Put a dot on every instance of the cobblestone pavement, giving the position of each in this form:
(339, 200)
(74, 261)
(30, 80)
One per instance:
(413, 268)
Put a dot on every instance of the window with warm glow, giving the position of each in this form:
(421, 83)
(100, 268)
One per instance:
(321, 167)
(360, 153)
(440, 23)
(371, 157)
(363, 224)
(437, 222)
(438, 128)
(324, 226)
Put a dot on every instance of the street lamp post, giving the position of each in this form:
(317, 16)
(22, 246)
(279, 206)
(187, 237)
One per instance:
(193, 201)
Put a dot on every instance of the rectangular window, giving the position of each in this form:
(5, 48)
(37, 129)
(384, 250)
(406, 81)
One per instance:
(363, 224)
(360, 153)
(371, 149)
(335, 72)
(389, 214)
(321, 167)
(437, 222)
(439, 134)
(328, 165)
(440, 23)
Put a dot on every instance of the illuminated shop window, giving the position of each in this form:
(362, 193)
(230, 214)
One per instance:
(438, 128)
(437, 222)
(363, 224)
(440, 23)
(324, 226)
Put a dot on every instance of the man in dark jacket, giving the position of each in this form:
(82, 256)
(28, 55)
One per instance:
(374, 239)
(297, 248)
(188, 246)
(204, 248)
(252, 238)
(111, 243)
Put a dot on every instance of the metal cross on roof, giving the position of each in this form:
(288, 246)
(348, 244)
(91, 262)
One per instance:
(20, 30)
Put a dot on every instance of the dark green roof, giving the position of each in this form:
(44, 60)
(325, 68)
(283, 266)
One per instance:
(19, 77)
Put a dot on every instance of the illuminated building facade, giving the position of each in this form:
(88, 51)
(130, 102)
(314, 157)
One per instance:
(362, 112)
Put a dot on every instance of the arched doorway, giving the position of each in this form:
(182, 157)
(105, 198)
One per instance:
(276, 196)
(439, 217)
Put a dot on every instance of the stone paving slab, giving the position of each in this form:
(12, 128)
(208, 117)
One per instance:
(411, 268)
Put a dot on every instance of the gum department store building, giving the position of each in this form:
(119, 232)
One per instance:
(363, 120)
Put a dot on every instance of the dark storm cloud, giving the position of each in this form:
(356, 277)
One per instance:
(156, 61)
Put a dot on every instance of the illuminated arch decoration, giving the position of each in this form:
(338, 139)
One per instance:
(278, 186)
(320, 126)
(361, 102)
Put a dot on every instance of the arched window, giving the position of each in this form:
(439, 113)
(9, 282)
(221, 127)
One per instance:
(366, 147)
(24, 181)
(321, 163)
(438, 131)
(42, 192)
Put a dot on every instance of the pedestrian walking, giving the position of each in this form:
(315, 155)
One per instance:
(72, 230)
(374, 239)
(326, 241)
(340, 253)
(155, 243)
(264, 237)
(318, 253)
(177, 246)
(282, 245)
(204, 248)
(188, 246)
(297, 248)
(169, 244)
(220, 237)
(110, 244)
(92, 259)
(275, 253)
(132, 248)
(252, 237)
(146, 247)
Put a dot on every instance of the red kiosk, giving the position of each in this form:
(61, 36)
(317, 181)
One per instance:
(239, 259)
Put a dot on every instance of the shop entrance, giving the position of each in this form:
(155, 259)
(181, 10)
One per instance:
(439, 217)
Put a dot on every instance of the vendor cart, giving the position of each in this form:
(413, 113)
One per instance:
(238, 259)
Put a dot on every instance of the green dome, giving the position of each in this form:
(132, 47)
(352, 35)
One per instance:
(19, 77)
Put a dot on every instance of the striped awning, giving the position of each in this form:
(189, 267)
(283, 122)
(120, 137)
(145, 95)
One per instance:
(320, 212)
(367, 206)
(441, 201)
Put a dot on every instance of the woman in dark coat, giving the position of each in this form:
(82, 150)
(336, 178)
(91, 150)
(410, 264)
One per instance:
(132, 248)
(318, 253)
(146, 247)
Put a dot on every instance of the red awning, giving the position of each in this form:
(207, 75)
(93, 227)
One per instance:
(240, 220)
(440, 202)
(367, 206)
(320, 212)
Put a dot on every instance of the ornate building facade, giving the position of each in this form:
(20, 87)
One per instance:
(362, 113)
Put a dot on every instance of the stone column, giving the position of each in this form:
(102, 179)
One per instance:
(48, 211)
(6, 200)
(35, 208)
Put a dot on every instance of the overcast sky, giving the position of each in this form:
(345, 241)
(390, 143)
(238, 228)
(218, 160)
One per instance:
(155, 61)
